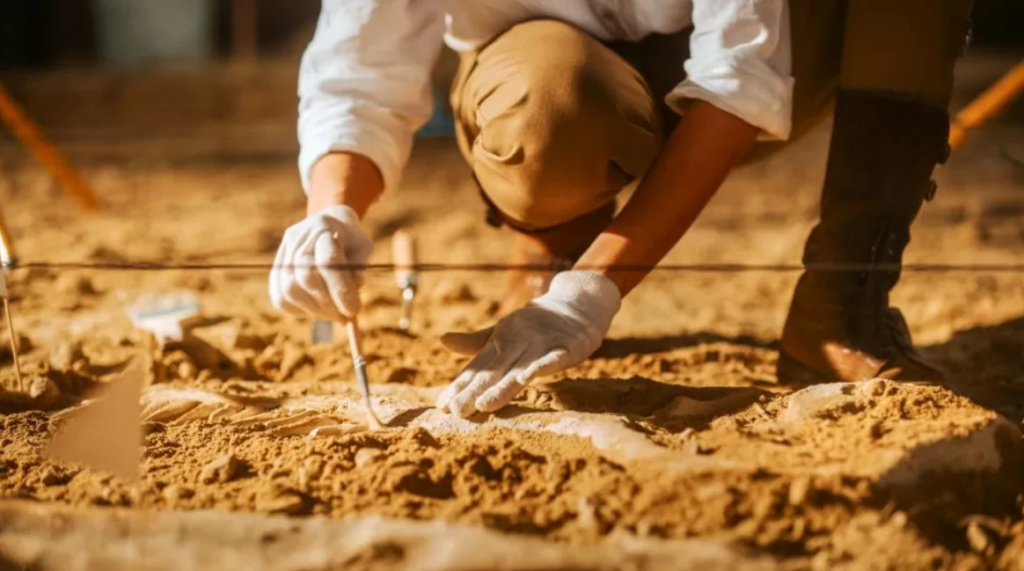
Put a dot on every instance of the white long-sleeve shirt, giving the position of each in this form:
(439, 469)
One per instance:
(366, 77)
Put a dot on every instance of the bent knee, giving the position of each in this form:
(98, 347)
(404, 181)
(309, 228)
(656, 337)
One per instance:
(565, 124)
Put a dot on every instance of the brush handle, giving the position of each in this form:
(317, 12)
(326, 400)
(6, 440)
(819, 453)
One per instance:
(403, 250)
(355, 340)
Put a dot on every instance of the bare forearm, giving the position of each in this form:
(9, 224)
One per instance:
(344, 178)
(698, 156)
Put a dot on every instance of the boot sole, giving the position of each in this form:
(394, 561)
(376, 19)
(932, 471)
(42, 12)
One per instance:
(790, 371)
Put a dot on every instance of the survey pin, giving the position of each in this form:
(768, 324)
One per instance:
(406, 276)
(6, 263)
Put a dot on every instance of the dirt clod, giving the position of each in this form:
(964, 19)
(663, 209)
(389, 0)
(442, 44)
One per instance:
(65, 355)
(365, 456)
(221, 470)
(44, 392)
(283, 501)
(174, 493)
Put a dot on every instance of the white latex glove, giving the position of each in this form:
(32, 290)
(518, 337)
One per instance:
(301, 282)
(554, 332)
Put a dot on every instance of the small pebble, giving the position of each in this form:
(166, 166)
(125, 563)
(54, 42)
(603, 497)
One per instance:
(286, 502)
(587, 517)
(314, 466)
(798, 491)
(186, 370)
(175, 493)
(366, 456)
(221, 470)
(978, 539)
(44, 391)
(65, 355)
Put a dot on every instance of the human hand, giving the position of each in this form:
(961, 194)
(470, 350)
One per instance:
(302, 282)
(554, 332)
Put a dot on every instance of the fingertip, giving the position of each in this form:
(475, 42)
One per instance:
(499, 396)
(463, 410)
(444, 399)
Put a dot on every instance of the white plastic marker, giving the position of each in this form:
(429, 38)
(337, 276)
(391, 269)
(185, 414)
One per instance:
(105, 434)
(7, 261)
(166, 316)
(405, 256)
(355, 343)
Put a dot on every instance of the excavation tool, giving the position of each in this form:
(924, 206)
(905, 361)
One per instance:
(323, 334)
(355, 343)
(29, 133)
(993, 100)
(404, 253)
(7, 262)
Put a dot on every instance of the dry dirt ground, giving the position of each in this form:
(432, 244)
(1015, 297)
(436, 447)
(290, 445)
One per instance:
(673, 448)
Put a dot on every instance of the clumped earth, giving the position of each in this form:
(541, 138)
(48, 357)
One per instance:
(677, 429)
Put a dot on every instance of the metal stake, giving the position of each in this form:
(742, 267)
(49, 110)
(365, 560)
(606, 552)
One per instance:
(406, 276)
(14, 339)
(7, 260)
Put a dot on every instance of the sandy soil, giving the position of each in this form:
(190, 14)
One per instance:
(676, 431)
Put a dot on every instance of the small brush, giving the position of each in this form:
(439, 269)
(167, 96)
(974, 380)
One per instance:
(355, 343)
(405, 257)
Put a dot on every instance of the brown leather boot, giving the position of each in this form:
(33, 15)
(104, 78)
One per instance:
(550, 251)
(840, 326)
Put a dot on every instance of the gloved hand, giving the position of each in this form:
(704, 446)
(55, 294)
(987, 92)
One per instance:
(301, 283)
(554, 332)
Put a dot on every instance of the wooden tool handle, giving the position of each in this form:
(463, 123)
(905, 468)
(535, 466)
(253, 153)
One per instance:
(7, 254)
(993, 100)
(32, 137)
(405, 255)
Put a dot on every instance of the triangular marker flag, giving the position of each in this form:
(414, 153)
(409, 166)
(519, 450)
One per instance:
(106, 435)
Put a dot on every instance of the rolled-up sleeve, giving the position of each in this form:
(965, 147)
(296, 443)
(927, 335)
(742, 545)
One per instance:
(740, 62)
(364, 84)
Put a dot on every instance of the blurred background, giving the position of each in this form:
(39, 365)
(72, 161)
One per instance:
(52, 33)
(219, 75)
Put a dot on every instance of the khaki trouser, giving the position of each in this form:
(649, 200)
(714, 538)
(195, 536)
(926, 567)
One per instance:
(555, 123)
